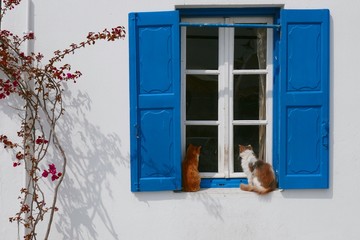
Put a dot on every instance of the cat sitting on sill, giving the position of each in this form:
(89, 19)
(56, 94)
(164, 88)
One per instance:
(260, 175)
(190, 173)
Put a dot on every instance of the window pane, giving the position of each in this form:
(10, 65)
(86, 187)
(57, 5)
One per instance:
(207, 138)
(249, 97)
(202, 48)
(250, 48)
(201, 97)
(245, 135)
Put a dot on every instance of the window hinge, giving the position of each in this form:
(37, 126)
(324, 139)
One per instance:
(137, 131)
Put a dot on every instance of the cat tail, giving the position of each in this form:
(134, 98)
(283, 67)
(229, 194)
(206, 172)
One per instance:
(258, 190)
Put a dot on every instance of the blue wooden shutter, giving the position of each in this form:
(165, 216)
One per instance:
(155, 101)
(304, 100)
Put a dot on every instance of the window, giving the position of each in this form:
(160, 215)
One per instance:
(228, 84)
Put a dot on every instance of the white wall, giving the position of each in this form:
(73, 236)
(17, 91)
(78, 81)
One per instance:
(96, 202)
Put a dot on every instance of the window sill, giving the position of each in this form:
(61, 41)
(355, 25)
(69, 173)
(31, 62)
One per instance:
(222, 182)
(233, 191)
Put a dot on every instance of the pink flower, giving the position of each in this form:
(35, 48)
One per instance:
(41, 140)
(52, 169)
(31, 35)
(19, 156)
(15, 164)
(45, 173)
(54, 177)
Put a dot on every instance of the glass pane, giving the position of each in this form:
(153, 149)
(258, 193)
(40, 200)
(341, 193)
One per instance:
(245, 135)
(250, 48)
(202, 48)
(201, 97)
(249, 97)
(207, 138)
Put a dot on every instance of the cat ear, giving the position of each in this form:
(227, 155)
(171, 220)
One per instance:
(241, 148)
(190, 146)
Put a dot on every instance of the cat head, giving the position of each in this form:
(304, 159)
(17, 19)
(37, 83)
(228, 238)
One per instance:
(192, 149)
(243, 148)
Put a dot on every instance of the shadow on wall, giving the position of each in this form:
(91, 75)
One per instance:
(93, 158)
(211, 204)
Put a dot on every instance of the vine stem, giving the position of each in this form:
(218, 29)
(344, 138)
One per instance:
(57, 187)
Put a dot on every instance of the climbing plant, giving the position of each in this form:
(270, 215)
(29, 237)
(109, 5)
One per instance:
(37, 85)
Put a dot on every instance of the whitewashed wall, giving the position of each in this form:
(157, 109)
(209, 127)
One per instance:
(96, 202)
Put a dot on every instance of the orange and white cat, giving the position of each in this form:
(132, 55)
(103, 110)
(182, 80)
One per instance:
(260, 175)
(190, 173)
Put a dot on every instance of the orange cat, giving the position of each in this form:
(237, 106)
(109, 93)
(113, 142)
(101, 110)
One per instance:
(260, 175)
(190, 173)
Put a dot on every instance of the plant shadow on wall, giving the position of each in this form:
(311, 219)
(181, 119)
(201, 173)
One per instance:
(93, 160)
(211, 203)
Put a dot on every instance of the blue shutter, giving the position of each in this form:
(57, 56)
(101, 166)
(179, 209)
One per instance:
(155, 101)
(303, 113)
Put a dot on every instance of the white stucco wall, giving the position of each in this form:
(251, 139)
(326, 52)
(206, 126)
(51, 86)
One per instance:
(96, 202)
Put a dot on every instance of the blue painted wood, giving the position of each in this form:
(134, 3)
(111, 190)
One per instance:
(155, 101)
(301, 130)
(229, 12)
(302, 116)
(222, 182)
(234, 25)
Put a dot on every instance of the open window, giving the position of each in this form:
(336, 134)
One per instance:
(227, 91)
(223, 78)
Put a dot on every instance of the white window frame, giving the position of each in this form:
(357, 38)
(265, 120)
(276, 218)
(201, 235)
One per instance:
(225, 74)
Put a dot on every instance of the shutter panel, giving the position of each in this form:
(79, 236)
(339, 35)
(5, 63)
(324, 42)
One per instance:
(155, 101)
(304, 99)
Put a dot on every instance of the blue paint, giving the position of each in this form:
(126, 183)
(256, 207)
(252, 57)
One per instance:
(235, 25)
(155, 147)
(222, 182)
(302, 97)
